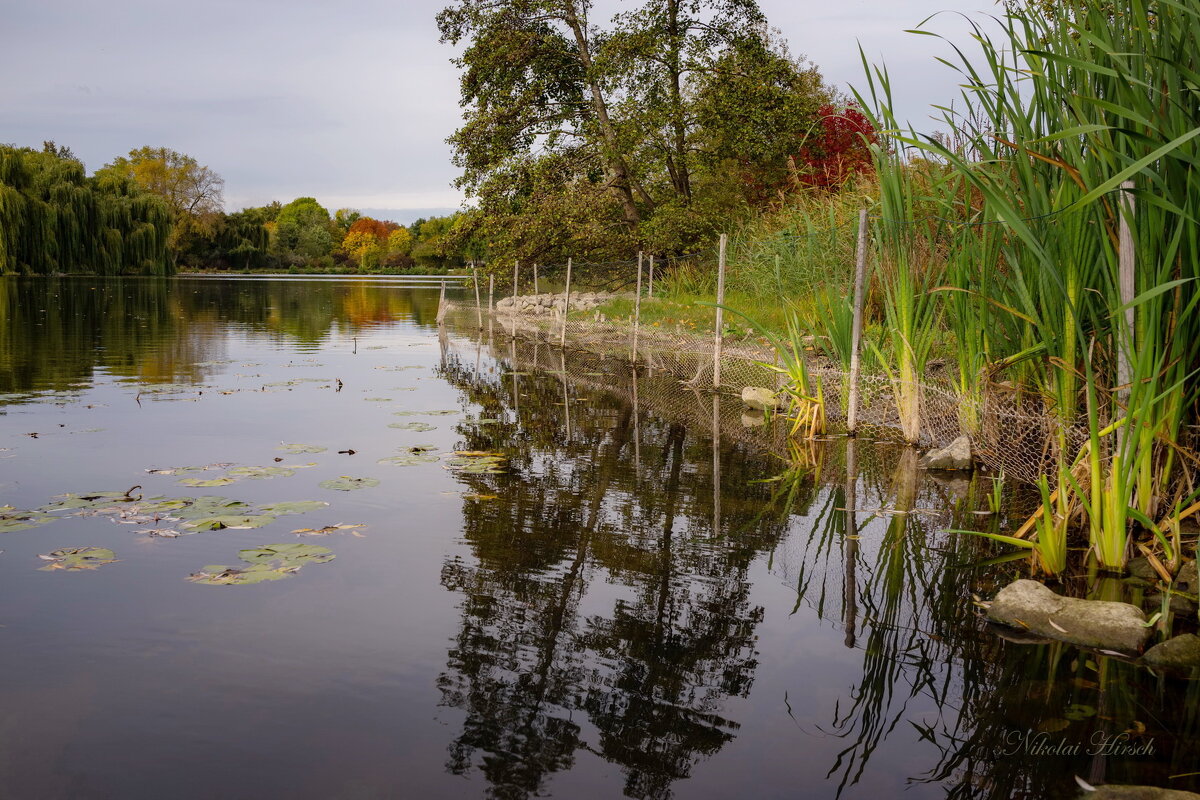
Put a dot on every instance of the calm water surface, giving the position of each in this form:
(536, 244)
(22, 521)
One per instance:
(624, 608)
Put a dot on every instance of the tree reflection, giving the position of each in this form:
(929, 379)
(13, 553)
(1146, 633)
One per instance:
(55, 332)
(650, 670)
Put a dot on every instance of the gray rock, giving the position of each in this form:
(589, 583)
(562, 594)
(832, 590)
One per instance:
(753, 418)
(956, 455)
(1113, 792)
(1187, 580)
(1182, 652)
(1178, 603)
(1092, 623)
(1140, 568)
(760, 398)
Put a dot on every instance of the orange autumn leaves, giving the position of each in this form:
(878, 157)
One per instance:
(370, 241)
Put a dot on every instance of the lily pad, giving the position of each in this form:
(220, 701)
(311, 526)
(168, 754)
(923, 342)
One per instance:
(290, 554)
(328, 529)
(208, 482)
(293, 507)
(409, 460)
(78, 558)
(220, 575)
(13, 520)
(263, 473)
(346, 483)
(413, 426)
(210, 506)
(288, 447)
(90, 500)
(182, 470)
(442, 412)
(378, 399)
(231, 522)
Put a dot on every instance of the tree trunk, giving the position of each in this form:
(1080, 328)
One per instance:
(614, 161)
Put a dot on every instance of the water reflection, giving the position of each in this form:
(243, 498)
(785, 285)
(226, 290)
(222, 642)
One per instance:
(55, 333)
(612, 610)
(628, 601)
(598, 592)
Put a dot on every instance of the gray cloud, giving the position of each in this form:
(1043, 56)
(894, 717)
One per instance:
(350, 104)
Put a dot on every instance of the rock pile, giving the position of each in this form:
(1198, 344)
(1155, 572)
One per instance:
(543, 304)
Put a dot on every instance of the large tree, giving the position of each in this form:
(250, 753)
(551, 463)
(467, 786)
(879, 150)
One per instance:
(581, 138)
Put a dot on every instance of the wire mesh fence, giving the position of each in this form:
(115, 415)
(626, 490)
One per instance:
(606, 316)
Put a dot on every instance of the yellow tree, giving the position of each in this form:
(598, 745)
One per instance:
(363, 247)
(191, 190)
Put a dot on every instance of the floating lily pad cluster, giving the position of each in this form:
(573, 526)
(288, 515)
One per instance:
(271, 562)
(441, 412)
(235, 474)
(169, 516)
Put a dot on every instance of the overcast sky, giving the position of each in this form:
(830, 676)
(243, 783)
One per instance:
(350, 104)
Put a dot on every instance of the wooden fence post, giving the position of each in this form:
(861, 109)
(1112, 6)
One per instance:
(1126, 338)
(650, 292)
(491, 294)
(535, 280)
(478, 305)
(860, 272)
(637, 308)
(441, 312)
(562, 339)
(717, 338)
(516, 272)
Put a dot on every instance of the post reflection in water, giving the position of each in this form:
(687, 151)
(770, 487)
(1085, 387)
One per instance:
(612, 613)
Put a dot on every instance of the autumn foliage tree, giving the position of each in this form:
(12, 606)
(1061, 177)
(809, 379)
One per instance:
(837, 149)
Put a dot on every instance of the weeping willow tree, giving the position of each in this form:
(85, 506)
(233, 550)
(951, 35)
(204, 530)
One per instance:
(55, 219)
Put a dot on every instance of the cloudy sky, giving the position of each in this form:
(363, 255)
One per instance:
(348, 103)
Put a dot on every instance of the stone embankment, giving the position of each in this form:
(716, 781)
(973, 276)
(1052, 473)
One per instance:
(551, 304)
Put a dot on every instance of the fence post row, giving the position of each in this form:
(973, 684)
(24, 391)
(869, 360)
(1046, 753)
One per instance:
(717, 340)
(562, 340)
(860, 271)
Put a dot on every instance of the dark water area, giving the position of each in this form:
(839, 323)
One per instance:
(620, 604)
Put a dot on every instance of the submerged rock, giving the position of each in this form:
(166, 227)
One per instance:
(760, 398)
(753, 419)
(1182, 652)
(1102, 624)
(956, 455)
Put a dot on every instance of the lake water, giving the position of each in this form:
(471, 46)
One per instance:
(603, 602)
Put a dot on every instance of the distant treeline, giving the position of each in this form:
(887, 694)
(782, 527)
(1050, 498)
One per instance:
(156, 211)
